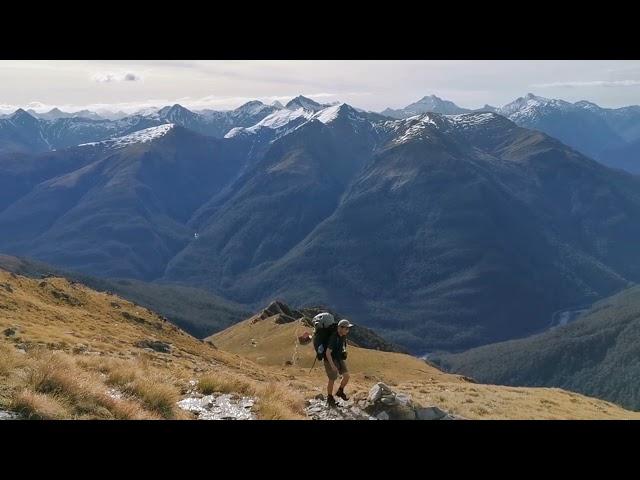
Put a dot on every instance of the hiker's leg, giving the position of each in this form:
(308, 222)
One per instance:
(331, 375)
(345, 380)
(344, 371)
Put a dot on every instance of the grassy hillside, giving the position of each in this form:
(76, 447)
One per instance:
(67, 351)
(198, 312)
(272, 345)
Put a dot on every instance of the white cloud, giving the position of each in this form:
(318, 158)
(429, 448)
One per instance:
(111, 77)
(593, 83)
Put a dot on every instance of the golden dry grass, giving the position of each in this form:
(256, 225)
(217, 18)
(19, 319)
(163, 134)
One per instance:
(224, 383)
(275, 400)
(156, 396)
(82, 361)
(271, 345)
(9, 360)
(79, 356)
(38, 406)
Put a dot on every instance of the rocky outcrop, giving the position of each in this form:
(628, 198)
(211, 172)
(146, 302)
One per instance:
(154, 345)
(385, 404)
(279, 312)
(382, 403)
(317, 409)
(217, 406)
(134, 318)
(62, 296)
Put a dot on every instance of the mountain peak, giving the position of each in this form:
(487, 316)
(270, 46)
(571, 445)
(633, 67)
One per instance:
(429, 103)
(305, 103)
(341, 110)
(175, 108)
(430, 97)
(251, 108)
(250, 104)
(176, 114)
(531, 97)
(23, 117)
(277, 104)
(21, 113)
(587, 105)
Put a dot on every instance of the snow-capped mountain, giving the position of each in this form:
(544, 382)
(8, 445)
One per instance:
(280, 119)
(601, 133)
(531, 107)
(286, 120)
(609, 135)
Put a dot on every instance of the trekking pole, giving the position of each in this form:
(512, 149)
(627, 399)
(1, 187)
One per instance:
(313, 364)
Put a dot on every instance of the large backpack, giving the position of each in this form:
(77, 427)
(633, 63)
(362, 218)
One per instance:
(324, 325)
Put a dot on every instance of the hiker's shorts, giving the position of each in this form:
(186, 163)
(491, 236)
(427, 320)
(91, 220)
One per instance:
(341, 365)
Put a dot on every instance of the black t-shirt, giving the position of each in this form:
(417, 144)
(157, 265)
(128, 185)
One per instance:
(338, 346)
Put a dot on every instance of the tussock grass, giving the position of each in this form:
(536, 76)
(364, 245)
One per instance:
(38, 406)
(157, 396)
(122, 375)
(135, 378)
(10, 360)
(56, 386)
(222, 383)
(277, 402)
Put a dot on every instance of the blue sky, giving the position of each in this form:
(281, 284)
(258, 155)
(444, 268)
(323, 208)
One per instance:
(373, 85)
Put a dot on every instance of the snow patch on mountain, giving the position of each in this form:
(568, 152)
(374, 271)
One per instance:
(141, 136)
(276, 120)
(471, 120)
(532, 106)
(411, 128)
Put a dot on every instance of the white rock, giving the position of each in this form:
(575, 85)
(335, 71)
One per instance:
(377, 391)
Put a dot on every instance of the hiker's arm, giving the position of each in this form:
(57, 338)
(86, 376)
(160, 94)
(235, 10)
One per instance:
(329, 358)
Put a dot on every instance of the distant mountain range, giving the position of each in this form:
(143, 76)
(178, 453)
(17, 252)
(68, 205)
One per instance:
(24, 132)
(440, 231)
(609, 135)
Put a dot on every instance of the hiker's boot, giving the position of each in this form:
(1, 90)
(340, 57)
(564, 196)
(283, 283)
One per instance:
(340, 393)
(331, 402)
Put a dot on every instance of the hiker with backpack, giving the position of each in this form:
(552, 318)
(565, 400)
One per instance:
(330, 342)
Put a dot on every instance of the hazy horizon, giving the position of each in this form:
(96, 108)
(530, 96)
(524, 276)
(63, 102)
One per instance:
(128, 86)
